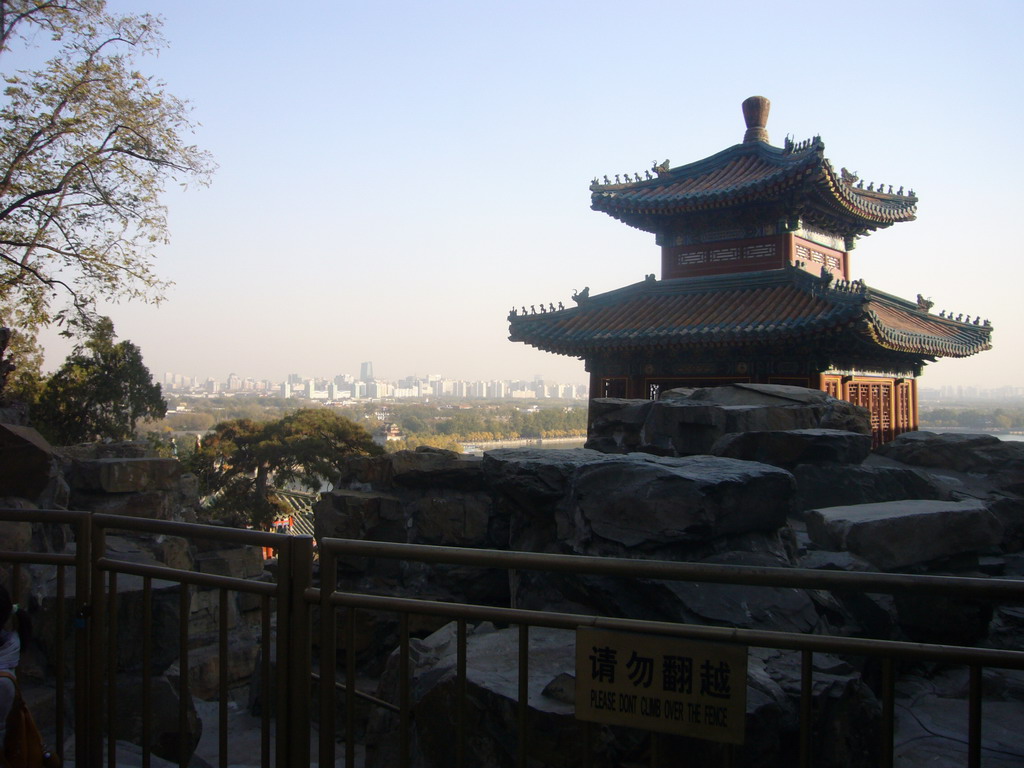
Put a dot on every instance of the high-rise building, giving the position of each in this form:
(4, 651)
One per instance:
(366, 371)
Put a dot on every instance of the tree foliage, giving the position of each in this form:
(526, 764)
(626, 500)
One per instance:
(101, 391)
(87, 145)
(242, 461)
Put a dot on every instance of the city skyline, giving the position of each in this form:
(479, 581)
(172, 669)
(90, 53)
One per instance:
(396, 178)
(176, 384)
(346, 387)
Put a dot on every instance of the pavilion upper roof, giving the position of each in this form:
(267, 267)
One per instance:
(750, 308)
(787, 183)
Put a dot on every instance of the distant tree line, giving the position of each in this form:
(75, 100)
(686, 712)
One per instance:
(420, 423)
(489, 423)
(979, 418)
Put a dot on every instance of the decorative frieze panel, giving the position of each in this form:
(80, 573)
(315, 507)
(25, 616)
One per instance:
(823, 257)
(718, 235)
(821, 237)
(732, 253)
(818, 257)
(723, 254)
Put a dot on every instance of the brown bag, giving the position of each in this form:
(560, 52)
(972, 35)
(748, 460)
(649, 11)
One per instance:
(23, 747)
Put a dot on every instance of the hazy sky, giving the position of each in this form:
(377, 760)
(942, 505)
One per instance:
(394, 176)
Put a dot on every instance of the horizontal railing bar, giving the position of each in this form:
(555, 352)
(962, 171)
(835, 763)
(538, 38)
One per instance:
(1004, 590)
(360, 694)
(167, 573)
(38, 558)
(195, 530)
(988, 657)
(69, 516)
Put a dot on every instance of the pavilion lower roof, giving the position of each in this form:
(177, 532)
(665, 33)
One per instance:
(785, 305)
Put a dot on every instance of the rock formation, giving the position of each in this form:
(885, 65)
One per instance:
(746, 475)
(751, 476)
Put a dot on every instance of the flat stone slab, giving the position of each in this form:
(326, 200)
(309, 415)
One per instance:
(896, 534)
(787, 448)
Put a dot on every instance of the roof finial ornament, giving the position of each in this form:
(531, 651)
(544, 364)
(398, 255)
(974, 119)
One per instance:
(755, 114)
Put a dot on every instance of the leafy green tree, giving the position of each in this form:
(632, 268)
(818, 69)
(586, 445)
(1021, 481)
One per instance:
(87, 145)
(101, 391)
(241, 463)
(24, 362)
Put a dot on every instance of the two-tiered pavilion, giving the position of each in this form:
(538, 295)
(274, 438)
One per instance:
(756, 286)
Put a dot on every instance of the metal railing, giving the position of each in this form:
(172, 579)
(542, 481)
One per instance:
(79, 562)
(283, 617)
(1000, 591)
(288, 607)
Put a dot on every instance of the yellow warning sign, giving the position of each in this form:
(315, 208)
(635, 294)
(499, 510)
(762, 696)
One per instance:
(662, 684)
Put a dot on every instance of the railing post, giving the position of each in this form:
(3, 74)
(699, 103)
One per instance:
(97, 641)
(299, 660)
(328, 658)
(83, 606)
(283, 640)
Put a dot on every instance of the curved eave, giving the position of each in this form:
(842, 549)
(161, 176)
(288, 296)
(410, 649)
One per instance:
(744, 175)
(917, 333)
(754, 309)
(879, 208)
(683, 313)
(738, 175)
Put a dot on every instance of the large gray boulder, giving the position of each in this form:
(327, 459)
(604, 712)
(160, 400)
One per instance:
(931, 728)
(689, 422)
(424, 467)
(491, 701)
(795, 446)
(983, 454)
(734, 605)
(531, 475)
(529, 486)
(617, 424)
(28, 466)
(698, 508)
(648, 506)
(165, 736)
(125, 475)
(369, 515)
(846, 713)
(163, 628)
(897, 534)
(835, 485)
(366, 515)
